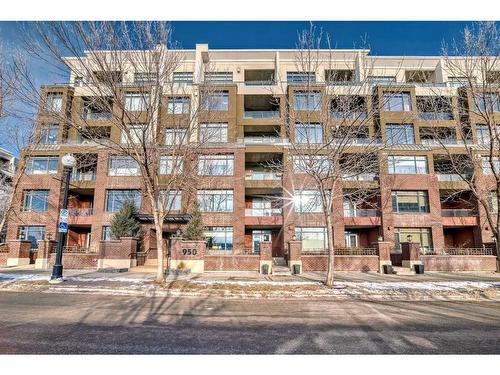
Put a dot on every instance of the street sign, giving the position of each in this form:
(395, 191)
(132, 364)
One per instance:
(62, 227)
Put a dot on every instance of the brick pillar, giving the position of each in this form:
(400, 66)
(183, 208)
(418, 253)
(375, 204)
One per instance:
(19, 253)
(44, 249)
(384, 253)
(410, 254)
(188, 255)
(118, 254)
(295, 251)
(266, 256)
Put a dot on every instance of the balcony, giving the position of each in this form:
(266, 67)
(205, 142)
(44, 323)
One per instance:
(261, 114)
(263, 216)
(458, 217)
(263, 140)
(94, 115)
(263, 176)
(349, 115)
(361, 177)
(439, 142)
(448, 177)
(361, 217)
(434, 116)
(80, 176)
(361, 212)
(259, 77)
(80, 216)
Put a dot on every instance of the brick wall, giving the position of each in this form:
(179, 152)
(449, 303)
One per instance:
(232, 262)
(459, 262)
(342, 263)
(76, 261)
(3, 258)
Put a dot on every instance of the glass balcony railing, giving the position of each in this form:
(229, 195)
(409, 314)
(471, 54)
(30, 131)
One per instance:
(457, 212)
(361, 212)
(262, 175)
(432, 116)
(260, 83)
(447, 141)
(96, 115)
(263, 212)
(81, 211)
(262, 114)
(263, 139)
(350, 115)
(361, 177)
(83, 176)
(448, 177)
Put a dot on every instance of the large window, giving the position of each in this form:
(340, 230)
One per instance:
(178, 105)
(419, 235)
(123, 166)
(32, 233)
(115, 199)
(36, 200)
(483, 134)
(312, 238)
(487, 102)
(213, 133)
(171, 165)
(42, 165)
(309, 133)
(175, 137)
(219, 238)
(218, 77)
(107, 234)
(301, 77)
(136, 101)
(145, 77)
(307, 101)
(308, 163)
(490, 162)
(410, 201)
(217, 101)
(183, 77)
(397, 102)
(407, 164)
(139, 134)
(215, 200)
(171, 199)
(216, 165)
(49, 134)
(54, 101)
(307, 201)
(400, 134)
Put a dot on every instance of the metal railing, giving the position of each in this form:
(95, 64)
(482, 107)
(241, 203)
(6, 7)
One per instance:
(263, 212)
(434, 116)
(96, 115)
(263, 139)
(356, 251)
(361, 212)
(261, 114)
(260, 176)
(81, 211)
(448, 177)
(348, 115)
(439, 141)
(76, 249)
(457, 251)
(260, 83)
(361, 177)
(457, 212)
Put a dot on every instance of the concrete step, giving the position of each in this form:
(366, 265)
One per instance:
(281, 271)
(403, 271)
(279, 261)
(144, 269)
(151, 262)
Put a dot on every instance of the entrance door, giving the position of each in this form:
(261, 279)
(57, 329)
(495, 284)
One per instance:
(259, 236)
(351, 239)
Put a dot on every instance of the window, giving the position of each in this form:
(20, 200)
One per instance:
(54, 101)
(493, 201)
(307, 201)
(300, 77)
(420, 235)
(213, 133)
(307, 101)
(145, 77)
(397, 102)
(32, 233)
(42, 165)
(36, 200)
(216, 165)
(171, 200)
(49, 134)
(215, 200)
(487, 102)
(116, 198)
(308, 133)
(312, 238)
(219, 238)
(407, 164)
(217, 101)
(399, 134)
(410, 201)
(483, 134)
(308, 163)
(123, 166)
(489, 163)
(178, 105)
(175, 137)
(139, 134)
(183, 77)
(107, 234)
(171, 164)
(218, 77)
(350, 239)
(136, 101)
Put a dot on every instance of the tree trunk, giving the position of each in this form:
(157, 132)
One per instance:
(160, 276)
(331, 250)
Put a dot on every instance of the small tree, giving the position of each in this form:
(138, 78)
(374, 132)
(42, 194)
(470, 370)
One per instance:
(124, 222)
(194, 229)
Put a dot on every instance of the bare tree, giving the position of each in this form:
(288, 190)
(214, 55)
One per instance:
(125, 71)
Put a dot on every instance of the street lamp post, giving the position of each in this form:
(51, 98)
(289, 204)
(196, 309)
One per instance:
(69, 162)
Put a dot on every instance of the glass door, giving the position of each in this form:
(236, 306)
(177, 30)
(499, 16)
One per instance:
(259, 236)
(351, 239)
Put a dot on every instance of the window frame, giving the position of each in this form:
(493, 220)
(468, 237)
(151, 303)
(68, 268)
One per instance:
(210, 194)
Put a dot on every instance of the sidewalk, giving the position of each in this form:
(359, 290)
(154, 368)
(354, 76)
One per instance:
(348, 285)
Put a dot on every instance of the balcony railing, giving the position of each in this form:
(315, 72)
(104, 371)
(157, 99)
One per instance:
(263, 212)
(348, 115)
(458, 251)
(433, 116)
(361, 177)
(263, 140)
(457, 212)
(432, 142)
(77, 249)
(361, 212)
(355, 251)
(260, 83)
(83, 176)
(81, 211)
(262, 175)
(262, 114)
(96, 115)
(355, 141)
(448, 177)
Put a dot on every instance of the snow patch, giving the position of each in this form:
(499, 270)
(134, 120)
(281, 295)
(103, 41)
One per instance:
(251, 282)
(423, 285)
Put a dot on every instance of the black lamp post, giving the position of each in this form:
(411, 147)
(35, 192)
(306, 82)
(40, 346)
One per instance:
(69, 162)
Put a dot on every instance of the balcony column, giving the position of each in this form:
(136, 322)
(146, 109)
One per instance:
(410, 253)
(384, 254)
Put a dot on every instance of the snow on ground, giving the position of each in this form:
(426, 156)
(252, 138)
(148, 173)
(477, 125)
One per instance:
(256, 282)
(13, 277)
(423, 285)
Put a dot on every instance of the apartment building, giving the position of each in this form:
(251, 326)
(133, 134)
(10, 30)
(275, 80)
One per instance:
(249, 203)
(8, 165)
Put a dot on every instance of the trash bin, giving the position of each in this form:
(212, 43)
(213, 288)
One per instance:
(387, 269)
(265, 269)
(296, 269)
(419, 269)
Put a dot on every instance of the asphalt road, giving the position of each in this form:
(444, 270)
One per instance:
(84, 324)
